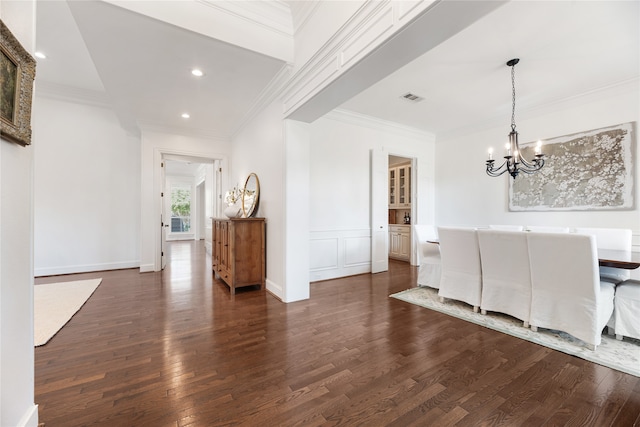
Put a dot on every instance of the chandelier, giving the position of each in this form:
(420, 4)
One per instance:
(514, 163)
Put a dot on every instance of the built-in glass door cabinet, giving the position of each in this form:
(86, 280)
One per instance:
(400, 187)
(392, 187)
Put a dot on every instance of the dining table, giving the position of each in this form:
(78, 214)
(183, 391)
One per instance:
(618, 259)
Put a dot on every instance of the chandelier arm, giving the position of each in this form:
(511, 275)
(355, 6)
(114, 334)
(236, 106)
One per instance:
(494, 172)
(533, 168)
(526, 164)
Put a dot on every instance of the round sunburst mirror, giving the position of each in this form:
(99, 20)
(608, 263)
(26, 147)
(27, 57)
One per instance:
(250, 196)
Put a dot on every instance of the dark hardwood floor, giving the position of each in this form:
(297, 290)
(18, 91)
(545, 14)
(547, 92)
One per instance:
(176, 349)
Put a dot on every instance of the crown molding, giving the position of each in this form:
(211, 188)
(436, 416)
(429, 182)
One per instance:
(304, 14)
(274, 15)
(269, 94)
(261, 26)
(353, 118)
(372, 26)
(72, 94)
(325, 64)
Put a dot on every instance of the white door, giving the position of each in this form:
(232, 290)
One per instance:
(164, 219)
(379, 210)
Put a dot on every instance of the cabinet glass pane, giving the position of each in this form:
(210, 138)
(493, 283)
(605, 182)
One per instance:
(392, 187)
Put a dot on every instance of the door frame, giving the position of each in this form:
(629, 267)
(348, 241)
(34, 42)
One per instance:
(383, 212)
(158, 182)
(413, 259)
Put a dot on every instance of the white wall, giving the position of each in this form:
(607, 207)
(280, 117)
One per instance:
(17, 406)
(155, 144)
(259, 148)
(465, 195)
(87, 189)
(340, 193)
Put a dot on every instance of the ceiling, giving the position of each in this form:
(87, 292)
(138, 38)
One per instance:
(141, 66)
(566, 48)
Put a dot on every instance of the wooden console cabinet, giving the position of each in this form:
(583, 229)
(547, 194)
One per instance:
(239, 251)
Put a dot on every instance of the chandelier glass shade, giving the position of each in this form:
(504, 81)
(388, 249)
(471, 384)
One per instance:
(514, 162)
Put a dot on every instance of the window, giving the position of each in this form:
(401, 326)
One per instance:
(180, 208)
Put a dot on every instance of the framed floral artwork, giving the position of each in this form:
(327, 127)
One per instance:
(592, 170)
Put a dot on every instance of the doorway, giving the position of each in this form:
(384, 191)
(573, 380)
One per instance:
(188, 200)
(401, 209)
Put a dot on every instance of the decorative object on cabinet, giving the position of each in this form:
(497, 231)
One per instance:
(250, 196)
(514, 160)
(592, 170)
(239, 251)
(233, 199)
(17, 72)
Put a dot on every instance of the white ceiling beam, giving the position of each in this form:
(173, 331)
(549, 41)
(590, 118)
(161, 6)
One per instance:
(263, 27)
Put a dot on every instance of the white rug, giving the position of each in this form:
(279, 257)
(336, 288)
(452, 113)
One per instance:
(620, 355)
(55, 303)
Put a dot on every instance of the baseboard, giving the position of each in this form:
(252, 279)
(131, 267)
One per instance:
(146, 268)
(30, 418)
(275, 289)
(87, 268)
(319, 275)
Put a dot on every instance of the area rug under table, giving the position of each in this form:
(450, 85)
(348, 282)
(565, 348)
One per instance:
(54, 304)
(620, 355)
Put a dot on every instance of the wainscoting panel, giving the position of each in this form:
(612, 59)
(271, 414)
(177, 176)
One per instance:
(324, 254)
(357, 251)
(339, 253)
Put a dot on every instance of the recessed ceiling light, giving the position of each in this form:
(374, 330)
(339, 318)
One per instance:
(197, 72)
(185, 115)
(40, 55)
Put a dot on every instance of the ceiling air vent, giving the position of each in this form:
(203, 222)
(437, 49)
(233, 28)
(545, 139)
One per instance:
(411, 97)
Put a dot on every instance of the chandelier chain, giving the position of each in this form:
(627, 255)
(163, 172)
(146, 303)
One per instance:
(513, 97)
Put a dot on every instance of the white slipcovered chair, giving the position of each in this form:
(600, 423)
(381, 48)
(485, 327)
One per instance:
(429, 256)
(627, 307)
(611, 238)
(461, 278)
(506, 227)
(546, 229)
(566, 291)
(506, 277)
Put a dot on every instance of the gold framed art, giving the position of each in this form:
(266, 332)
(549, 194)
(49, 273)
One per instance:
(17, 73)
